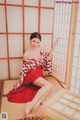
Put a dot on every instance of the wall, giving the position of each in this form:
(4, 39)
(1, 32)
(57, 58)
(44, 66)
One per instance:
(75, 76)
(66, 56)
(18, 19)
(62, 17)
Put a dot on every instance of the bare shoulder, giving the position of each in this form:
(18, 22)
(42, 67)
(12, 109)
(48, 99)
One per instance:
(26, 52)
(41, 50)
(26, 55)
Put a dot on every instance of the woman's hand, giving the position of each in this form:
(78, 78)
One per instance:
(56, 41)
(54, 44)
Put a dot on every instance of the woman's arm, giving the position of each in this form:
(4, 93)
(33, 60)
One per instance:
(25, 56)
(53, 46)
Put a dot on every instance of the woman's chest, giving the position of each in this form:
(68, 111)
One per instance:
(34, 54)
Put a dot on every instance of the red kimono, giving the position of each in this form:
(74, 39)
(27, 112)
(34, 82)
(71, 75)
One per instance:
(31, 70)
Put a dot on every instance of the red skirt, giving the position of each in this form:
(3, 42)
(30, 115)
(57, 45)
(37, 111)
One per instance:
(27, 90)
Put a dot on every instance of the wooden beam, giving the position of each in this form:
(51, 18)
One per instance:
(71, 43)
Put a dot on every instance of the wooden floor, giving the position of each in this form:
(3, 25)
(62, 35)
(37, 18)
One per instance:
(60, 104)
(64, 105)
(16, 111)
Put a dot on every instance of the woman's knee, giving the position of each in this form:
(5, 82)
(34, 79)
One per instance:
(49, 86)
(40, 82)
(43, 82)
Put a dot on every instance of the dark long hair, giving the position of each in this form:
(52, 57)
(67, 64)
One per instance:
(35, 35)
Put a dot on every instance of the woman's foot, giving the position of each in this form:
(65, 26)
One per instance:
(28, 108)
(37, 105)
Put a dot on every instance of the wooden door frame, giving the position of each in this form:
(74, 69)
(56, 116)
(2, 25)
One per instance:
(71, 44)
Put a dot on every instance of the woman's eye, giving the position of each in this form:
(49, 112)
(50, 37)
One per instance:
(33, 41)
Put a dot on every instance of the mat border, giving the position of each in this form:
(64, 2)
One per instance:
(1, 92)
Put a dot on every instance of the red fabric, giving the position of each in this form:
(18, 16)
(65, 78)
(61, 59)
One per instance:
(27, 91)
(44, 61)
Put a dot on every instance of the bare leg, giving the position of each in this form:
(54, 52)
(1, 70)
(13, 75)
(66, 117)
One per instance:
(45, 87)
(40, 100)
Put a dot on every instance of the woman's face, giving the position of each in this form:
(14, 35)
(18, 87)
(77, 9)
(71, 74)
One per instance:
(35, 42)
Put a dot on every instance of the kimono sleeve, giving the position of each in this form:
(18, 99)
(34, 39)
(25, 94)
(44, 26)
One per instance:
(25, 68)
(47, 62)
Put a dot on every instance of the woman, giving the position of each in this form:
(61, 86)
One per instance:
(32, 87)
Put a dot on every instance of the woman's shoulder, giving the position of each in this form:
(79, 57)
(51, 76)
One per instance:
(26, 55)
(26, 52)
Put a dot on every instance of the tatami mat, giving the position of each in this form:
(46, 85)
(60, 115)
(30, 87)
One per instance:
(8, 85)
(16, 111)
(66, 104)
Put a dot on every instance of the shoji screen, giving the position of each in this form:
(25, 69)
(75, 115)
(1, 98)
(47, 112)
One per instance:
(75, 79)
(3, 45)
(11, 38)
(18, 19)
(39, 18)
(62, 14)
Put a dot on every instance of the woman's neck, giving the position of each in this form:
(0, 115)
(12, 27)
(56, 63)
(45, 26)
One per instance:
(34, 48)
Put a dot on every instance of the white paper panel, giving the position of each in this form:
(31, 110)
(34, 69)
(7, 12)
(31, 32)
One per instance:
(79, 62)
(3, 46)
(14, 1)
(57, 19)
(78, 83)
(31, 19)
(15, 46)
(14, 19)
(56, 9)
(78, 28)
(1, 1)
(47, 3)
(74, 71)
(15, 68)
(77, 41)
(73, 81)
(3, 69)
(66, 8)
(31, 2)
(76, 51)
(75, 61)
(2, 19)
(79, 14)
(46, 42)
(27, 42)
(78, 73)
(46, 20)
(61, 27)
(58, 72)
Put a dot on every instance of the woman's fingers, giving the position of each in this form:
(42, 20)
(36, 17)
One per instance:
(57, 40)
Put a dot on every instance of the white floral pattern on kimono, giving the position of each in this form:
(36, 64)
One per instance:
(45, 61)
